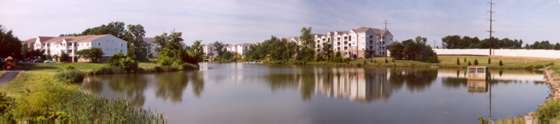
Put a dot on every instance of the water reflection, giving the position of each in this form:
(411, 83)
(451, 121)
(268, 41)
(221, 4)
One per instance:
(254, 93)
(168, 86)
(356, 84)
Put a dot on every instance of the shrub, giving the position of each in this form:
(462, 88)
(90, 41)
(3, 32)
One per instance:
(6, 104)
(475, 62)
(124, 62)
(70, 74)
(469, 63)
(386, 61)
(549, 111)
(458, 62)
(501, 63)
(489, 61)
(94, 54)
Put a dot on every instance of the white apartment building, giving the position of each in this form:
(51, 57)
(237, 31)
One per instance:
(237, 48)
(240, 49)
(362, 42)
(56, 46)
(151, 47)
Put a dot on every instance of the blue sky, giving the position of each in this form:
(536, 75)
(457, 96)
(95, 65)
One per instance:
(237, 21)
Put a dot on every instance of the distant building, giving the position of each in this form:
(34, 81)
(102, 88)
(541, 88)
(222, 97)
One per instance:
(69, 45)
(239, 49)
(362, 42)
(151, 47)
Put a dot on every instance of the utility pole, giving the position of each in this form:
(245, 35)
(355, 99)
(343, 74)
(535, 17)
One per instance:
(491, 31)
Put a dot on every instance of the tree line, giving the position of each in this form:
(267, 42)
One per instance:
(281, 50)
(413, 49)
(466, 42)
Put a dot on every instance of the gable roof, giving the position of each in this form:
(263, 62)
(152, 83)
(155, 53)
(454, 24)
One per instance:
(84, 38)
(32, 40)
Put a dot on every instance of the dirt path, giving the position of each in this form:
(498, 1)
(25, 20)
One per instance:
(8, 76)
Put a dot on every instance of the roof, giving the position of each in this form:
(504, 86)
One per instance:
(42, 38)
(84, 38)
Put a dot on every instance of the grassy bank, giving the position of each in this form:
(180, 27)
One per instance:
(39, 94)
(101, 68)
(445, 62)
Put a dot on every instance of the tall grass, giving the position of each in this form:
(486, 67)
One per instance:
(39, 97)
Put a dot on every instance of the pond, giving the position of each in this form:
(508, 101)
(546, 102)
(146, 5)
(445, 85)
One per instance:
(255, 93)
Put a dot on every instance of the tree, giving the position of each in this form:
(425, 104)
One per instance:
(94, 54)
(137, 48)
(116, 29)
(396, 50)
(10, 45)
(413, 50)
(171, 50)
(306, 52)
(195, 53)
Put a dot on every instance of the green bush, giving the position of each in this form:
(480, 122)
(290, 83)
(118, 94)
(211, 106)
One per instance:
(549, 112)
(458, 62)
(124, 62)
(501, 63)
(475, 62)
(70, 74)
(6, 104)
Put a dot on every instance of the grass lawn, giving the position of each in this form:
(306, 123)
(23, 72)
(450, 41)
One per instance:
(508, 62)
(451, 62)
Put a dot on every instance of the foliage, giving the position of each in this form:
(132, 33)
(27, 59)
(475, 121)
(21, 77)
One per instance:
(41, 98)
(543, 45)
(549, 112)
(276, 50)
(195, 53)
(272, 50)
(70, 74)
(124, 62)
(171, 50)
(476, 62)
(501, 63)
(416, 50)
(465, 42)
(6, 104)
(94, 54)
(458, 62)
(10, 45)
(137, 48)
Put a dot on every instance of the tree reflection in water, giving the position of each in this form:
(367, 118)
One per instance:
(172, 85)
(356, 84)
(129, 87)
(169, 86)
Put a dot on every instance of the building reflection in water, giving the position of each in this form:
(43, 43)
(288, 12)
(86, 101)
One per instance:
(360, 84)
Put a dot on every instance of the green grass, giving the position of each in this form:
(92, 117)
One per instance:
(508, 62)
(451, 62)
(38, 96)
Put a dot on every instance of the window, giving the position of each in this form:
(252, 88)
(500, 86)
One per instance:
(98, 44)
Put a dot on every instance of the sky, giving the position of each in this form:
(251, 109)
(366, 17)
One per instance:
(243, 21)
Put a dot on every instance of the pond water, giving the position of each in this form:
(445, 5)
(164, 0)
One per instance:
(255, 93)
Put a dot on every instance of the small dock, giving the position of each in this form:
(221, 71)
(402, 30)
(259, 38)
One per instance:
(477, 79)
